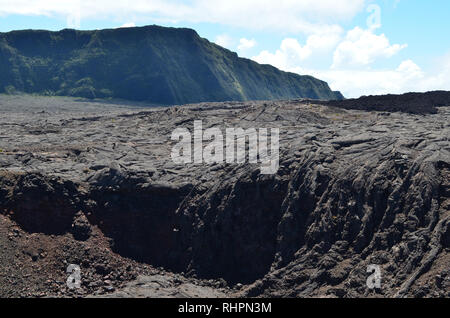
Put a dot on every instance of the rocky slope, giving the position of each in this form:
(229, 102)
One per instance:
(354, 188)
(154, 64)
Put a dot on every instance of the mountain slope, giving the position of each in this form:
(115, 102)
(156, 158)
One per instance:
(154, 64)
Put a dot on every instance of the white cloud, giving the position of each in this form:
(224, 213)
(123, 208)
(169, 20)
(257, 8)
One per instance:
(353, 56)
(309, 16)
(363, 47)
(224, 40)
(441, 76)
(245, 44)
(128, 25)
(291, 53)
(325, 41)
(354, 82)
(407, 77)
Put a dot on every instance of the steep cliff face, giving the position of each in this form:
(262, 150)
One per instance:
(354, 189)
(154, 64)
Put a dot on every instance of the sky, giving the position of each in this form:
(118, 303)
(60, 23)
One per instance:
(360, 47)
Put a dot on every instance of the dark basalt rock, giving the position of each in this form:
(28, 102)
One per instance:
(415, 103)
(354, 188)
(81, 228)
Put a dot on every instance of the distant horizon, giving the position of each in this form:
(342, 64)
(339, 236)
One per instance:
(129, 102)
(359, 47)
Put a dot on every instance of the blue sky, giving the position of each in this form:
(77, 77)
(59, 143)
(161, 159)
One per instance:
(358, 46)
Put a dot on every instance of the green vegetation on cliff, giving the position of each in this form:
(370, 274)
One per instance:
(154, 64)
